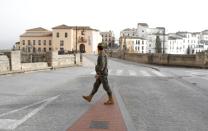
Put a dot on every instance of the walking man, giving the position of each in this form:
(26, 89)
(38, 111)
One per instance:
(101, 76)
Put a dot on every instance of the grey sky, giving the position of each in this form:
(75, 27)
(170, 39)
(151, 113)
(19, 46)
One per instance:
(19, 15)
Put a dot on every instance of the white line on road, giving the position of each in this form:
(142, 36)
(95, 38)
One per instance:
(145, 73)
(93, 73)
(119, 72)
(10, 124)
(158, 73)
(132, 73)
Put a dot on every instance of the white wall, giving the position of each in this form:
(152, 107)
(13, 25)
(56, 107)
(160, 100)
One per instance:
(95, 39)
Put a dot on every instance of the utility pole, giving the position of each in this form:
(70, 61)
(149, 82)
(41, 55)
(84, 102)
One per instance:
(75, 61)
(163, 41)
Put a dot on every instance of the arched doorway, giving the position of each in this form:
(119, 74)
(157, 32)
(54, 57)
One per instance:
(82, 48)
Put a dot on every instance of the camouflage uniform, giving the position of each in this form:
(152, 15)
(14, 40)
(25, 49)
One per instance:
(102, 71)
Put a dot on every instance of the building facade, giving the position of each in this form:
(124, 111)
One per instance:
(134, 44)
(108, 38)
(62, 38)
(149, 34)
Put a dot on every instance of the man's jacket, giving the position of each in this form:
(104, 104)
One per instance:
(101, 67)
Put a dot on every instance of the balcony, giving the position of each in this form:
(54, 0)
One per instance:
(82, 40)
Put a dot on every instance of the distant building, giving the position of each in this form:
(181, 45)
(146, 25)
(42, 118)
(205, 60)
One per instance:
(108, 38)
(134, 44)
(149, 34)
(128, 32)
(62, 38)
(175, 45)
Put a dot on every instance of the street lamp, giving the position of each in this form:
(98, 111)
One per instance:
(75, 61)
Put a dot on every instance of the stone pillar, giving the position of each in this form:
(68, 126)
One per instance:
(15, 60)
(206, 59)
(77, 59)
(52, 58)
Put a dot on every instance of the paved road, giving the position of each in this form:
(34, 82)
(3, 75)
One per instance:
(155, 98)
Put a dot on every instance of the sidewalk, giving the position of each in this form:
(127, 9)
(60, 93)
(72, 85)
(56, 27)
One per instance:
(101, 117)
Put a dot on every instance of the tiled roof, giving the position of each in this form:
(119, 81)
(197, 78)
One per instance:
(134, 37)
(143, 24)
(205, 32)
(37, 29)
(37, 34)
(63, 26)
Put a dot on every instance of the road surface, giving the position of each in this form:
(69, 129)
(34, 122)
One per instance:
(155, 98)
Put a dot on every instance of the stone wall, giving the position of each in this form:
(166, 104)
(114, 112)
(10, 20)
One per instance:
(33, 57)
(4, 63)
(10, 61)
(34, 66)
(198, 60)
(14, 60)
(54, 60)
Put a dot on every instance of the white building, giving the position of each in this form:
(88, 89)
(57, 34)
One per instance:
(175, 45)
(191, 40)
(134, 44)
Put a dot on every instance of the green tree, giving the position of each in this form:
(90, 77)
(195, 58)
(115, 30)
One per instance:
(158, 48)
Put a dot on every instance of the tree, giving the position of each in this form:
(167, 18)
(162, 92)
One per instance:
(158, 45)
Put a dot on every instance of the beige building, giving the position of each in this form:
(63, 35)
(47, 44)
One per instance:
(36, 40)
(108, 38)
(62, 38)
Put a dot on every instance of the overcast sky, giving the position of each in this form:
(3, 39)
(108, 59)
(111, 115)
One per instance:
(18, 15)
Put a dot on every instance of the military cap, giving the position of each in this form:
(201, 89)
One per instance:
(101, 45)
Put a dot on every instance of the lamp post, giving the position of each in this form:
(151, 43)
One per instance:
(75, 54)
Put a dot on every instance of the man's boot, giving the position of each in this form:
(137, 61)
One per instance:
(88, 98)
(110, 101)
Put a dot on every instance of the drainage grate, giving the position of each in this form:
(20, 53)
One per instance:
(99, 124)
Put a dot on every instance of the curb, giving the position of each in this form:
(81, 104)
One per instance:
(127, 119)
(43, 69)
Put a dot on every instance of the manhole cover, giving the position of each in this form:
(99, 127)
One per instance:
(194, 83)
(99, 124)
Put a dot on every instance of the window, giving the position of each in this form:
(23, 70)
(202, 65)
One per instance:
(149, 51)
(28, 49)
(33, 42)
(49, 42)
(39, 49)
(44, 49)
(84, 33)
(49, 49)
(66, 35)
(39, 42)
(57, 34)
(23, 42)
(23, 49)
(135, 48)
(28, 42)
(138, 48)
(61, 43)
(34, 50)
(142, 42)
(44, 42)
(138, 41)
(142, 47)
(149, 45)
